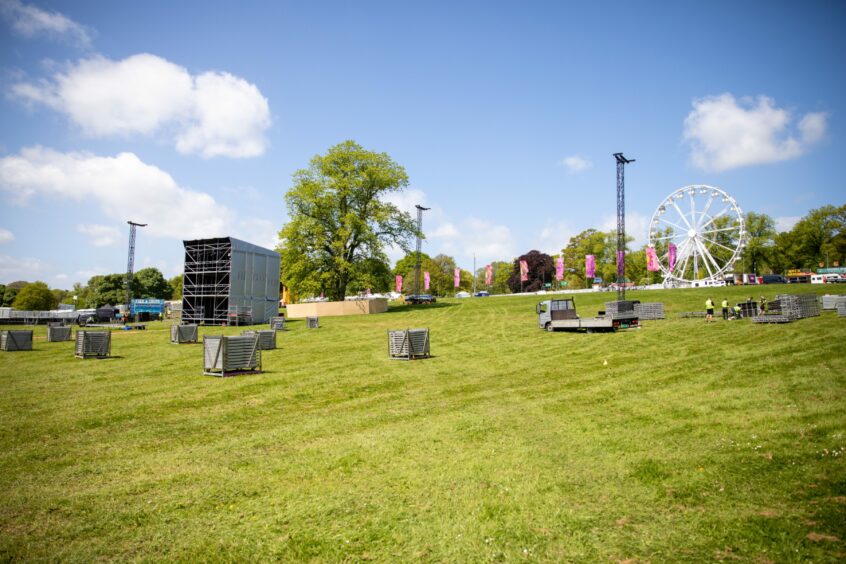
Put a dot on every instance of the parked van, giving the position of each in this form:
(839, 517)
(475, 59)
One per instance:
(827, 279)
(773, 279)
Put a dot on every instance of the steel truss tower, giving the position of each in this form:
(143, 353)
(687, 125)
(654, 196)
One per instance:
(420, 210)
(130, 265)
(621, 224)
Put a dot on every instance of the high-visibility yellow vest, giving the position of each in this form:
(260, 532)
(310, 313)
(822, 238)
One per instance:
(725, 303)
(709, 304)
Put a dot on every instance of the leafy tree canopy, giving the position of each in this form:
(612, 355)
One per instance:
(541, 270)
(35, 297)
(339, 218)
(175, 284)
(150, 283)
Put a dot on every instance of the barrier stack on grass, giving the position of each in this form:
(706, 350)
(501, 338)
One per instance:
(408, 344)
(841, 308)
(184, 334)
(266, 338)
(748, 309)
(16, 340)
(97, 344)
(56, 333)
(830, 301)
(649, 311)
(223, 356)
(789, 307)
(621, 309)
(277, 323)
(312, 323)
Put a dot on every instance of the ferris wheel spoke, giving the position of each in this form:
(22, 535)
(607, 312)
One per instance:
(733, 228)
(713, 219)
(681, 213)
(705, 256)
(707, 207)
(676, 225)
(718, 244)
(692, 195)
(666, 237)
(710, 257)
(684, 257)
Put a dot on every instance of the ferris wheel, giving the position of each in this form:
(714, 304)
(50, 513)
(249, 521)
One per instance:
(697, 233)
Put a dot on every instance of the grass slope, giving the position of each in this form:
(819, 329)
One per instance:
(694, 442)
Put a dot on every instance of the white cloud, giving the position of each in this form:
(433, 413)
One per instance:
(124, 188)
(20, 268)
(261, 232)
(786, 223)
(406, 200)
(575, 163)
(212, 114)
(725, 134)
(487, 240)
(29, 21)
(99, 235)
(637, 226)
(554, 237)
(6, 236)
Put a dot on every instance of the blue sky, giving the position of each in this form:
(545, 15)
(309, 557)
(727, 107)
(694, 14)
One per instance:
(192, 116)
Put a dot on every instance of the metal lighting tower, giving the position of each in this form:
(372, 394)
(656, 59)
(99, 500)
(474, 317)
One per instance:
(130, 263)
(420, 210)
(621, 224)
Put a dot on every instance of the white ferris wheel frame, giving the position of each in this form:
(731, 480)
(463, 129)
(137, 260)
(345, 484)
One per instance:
(690, 232)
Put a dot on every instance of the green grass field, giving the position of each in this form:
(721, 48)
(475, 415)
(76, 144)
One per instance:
(723, 441)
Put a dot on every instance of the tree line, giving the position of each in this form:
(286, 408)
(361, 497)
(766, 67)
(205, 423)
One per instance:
(341, 223)
(98, 291)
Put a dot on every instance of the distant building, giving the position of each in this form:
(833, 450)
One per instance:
(227, 281)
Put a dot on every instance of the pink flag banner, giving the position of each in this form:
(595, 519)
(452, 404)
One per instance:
(425, 280)
(559, 269)
(671, 256)
(399, 283)
(524, 271)
(457, 277)
(621, 264)
(590, 266)
(651, 260)
(489, 275)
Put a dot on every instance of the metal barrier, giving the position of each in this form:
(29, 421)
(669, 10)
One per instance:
(408, 344)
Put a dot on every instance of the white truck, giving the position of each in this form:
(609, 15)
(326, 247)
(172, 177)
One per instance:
(561, 315)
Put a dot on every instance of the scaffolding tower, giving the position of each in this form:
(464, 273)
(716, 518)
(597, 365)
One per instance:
(130, 264)
(621, 224)
(229, 282)
(420, 210)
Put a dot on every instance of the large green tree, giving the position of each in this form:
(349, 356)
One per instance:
(106, 289)
(339, 217)
(11, 291)
(35, 297)
(760, 242)
(150, 283)
(175, 284)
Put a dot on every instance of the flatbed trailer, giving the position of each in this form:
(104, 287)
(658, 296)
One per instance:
(560, 315)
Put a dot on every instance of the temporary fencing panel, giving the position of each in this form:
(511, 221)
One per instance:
(93, 344)
(184, 334)
(16, 340)
(58, 333)
(408, 344)
(223, 355)
(266, 338)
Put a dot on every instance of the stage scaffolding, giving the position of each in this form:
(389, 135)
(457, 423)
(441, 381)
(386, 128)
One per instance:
(228, 281)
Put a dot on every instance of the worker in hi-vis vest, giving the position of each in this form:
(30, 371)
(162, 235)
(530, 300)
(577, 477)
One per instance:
(709, 310)
(725, 309)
